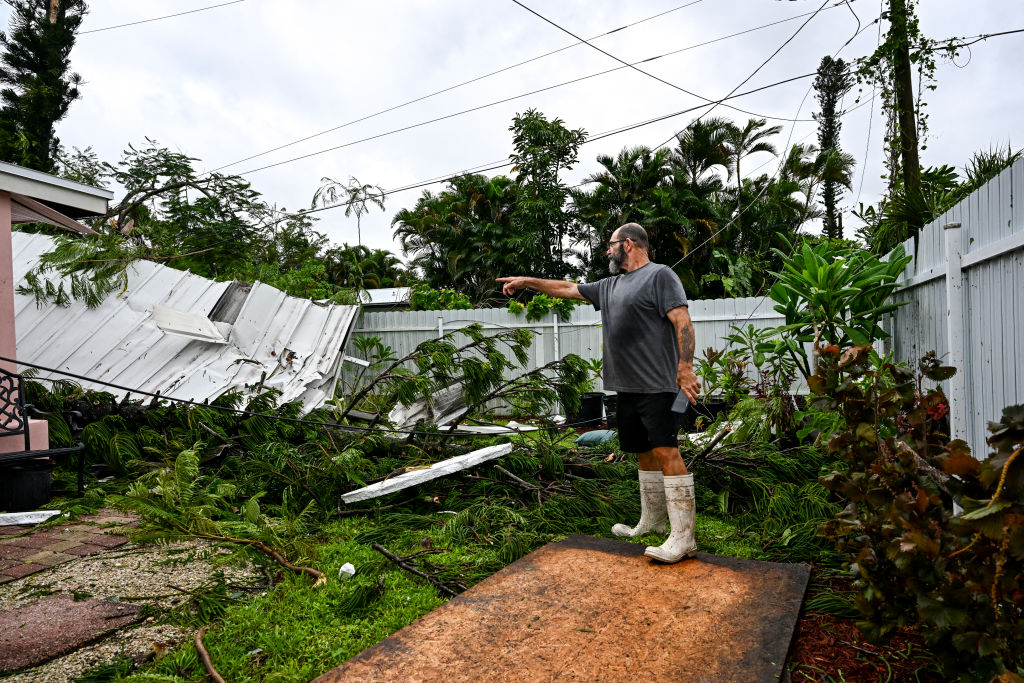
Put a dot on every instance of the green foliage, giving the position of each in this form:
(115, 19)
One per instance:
(541, 304)
(831, 294)
(356, 196)
(722, 374)
(542, 149)
(426, 299)
(463, 238)
(479, 369)
(213, 225)
(831, 84)
(958, 577)
(885, 224)
(38, 87)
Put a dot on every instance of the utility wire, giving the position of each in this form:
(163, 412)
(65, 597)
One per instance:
(650, 75)
(457, 85)
(508, 163)
(478, 78)
(976, 39)
(871, 116)
(478, 108)
(763, 64)
(271, 416)
(782, 162)
(168, 16)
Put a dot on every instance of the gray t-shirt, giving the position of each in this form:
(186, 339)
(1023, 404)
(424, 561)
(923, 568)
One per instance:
(641, 353)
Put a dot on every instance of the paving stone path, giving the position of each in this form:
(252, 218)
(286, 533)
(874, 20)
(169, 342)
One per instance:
(25, 551)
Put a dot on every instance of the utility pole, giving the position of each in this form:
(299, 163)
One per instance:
(903, 82)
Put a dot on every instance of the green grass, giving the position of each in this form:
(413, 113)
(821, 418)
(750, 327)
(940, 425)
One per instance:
(296, 632)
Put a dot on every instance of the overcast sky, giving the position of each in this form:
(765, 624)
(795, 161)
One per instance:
(237, 80)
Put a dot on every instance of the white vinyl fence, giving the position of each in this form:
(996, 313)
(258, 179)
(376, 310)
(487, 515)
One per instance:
(965, 300)
(581, 334)
(965, 294)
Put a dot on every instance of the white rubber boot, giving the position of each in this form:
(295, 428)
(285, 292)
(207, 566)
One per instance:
(653, 513)
(681, 510)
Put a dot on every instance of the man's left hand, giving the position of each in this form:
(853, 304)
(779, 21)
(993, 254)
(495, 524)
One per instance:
(687, 380)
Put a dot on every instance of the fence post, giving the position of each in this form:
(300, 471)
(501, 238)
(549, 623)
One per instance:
(955, 332)
(558, 350)
(440, 326)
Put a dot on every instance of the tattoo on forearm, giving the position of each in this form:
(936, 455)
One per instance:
(686, 343)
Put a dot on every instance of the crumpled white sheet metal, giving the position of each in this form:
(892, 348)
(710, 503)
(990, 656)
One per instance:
(299, 344)
(419, 476)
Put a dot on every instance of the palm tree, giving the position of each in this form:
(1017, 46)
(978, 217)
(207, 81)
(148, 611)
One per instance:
(357, 195)
(702, 146)
(624, 192)
(750, 139)
(811, 168)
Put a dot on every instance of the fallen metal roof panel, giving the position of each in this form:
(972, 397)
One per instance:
(297, 344)
(385, 296)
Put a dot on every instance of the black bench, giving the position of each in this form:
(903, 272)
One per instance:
(14, 416)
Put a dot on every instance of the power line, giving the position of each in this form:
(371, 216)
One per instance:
(452, 87)
(167, 16)
(871, 116)
(977, 39)
(473, 109)
(792, 129)
(547, 54)
(248, 413)
(762, 65)
(646, 73)
(507, 163)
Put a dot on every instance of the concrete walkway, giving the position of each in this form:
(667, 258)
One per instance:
(591, 609)
(57, 624)
(24, 551)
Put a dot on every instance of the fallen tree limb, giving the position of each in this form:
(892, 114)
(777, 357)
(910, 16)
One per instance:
(318, 575)
(525, 484)
(412, 570)
(205, 656)
(707, 449)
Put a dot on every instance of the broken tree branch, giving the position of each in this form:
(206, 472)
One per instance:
(525, 484)
(710, 447)
(412, 570)
(318, 575)
(205, 656)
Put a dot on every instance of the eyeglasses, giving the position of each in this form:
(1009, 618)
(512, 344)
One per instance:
(617, 241)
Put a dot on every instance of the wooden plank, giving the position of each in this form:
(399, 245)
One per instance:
(593, 609)
(435, 471)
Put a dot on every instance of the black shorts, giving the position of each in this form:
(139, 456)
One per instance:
(646, 421)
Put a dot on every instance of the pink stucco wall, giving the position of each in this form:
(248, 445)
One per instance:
(8, 340)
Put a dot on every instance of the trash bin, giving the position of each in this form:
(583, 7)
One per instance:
(26, 486)
(589, 415)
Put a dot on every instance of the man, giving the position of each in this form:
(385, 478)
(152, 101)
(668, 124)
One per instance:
(648, 357)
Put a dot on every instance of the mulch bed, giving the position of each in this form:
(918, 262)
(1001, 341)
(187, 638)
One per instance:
(827, 648)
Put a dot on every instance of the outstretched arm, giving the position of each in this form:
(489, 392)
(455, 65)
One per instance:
(556, 288)
(686, 379)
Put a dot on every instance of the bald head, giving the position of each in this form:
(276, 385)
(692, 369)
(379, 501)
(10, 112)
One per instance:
(636, 234)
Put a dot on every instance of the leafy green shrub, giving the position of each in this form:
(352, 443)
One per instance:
(542, 304)
(831, 293)
(958, 577)
(426, 299)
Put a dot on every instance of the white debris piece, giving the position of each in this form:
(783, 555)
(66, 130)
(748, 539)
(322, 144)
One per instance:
(439, 469)
(347, 570)
(36, 517)
(512, 427)
(442, 407)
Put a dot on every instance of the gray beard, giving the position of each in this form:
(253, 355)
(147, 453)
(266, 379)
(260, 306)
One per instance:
(614, 266)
